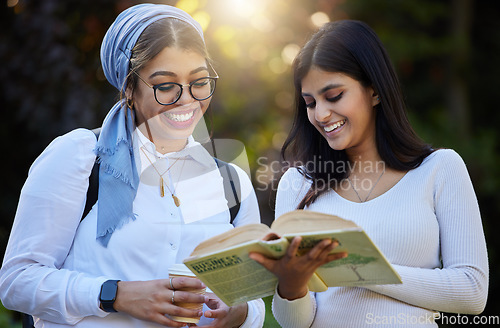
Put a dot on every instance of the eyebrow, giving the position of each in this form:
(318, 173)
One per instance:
(326, 88)
(169, 73)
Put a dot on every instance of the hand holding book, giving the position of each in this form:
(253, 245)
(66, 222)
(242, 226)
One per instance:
(294, 272)
(224, 263)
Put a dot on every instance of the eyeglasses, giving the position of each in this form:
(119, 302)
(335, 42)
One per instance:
(170, 92)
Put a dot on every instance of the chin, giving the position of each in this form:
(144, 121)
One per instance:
(336, 146)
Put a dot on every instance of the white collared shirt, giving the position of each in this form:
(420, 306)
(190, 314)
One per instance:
(53, 265)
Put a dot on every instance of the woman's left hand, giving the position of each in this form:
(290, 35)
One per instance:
(293, 271)
(223, 315)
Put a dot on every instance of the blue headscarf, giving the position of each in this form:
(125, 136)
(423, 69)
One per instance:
(118, 176)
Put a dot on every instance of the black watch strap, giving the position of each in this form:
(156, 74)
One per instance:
(107, 295)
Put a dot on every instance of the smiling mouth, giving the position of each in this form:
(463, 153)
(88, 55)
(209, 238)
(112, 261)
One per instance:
(334, 126)
(177, 117)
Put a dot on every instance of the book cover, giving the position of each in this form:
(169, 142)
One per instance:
(222, 262)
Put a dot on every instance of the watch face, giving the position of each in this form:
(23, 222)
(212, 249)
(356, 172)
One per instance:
(108, 291)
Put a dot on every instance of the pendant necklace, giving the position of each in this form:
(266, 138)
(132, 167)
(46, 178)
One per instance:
(177, 202)
(352, 186)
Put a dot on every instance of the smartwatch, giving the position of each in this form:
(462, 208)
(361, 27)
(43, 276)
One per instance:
(107, 295)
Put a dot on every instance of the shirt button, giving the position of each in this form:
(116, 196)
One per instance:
(174, 247)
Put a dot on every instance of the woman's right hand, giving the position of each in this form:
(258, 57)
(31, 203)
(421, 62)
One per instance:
(294, 272)
(152, 300)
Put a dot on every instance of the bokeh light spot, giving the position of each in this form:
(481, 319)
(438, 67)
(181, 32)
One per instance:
(258, 52)
(203, 18)
(279, 139)
(224, 33)
(188, 6)
(231, 50)
(12, 3)
(319, 18)
(289, 53)
(262, 23)
(277, 66)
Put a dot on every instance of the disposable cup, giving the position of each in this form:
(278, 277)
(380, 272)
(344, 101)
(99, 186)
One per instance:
(180, 270)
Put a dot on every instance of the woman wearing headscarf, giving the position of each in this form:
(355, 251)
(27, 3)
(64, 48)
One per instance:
(160, 194)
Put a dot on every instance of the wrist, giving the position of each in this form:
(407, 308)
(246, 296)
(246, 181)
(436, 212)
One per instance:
(242, 313)
(291, 293)
(107, 295)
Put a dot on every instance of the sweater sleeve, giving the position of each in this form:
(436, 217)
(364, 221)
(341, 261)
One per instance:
(256, 314)
(461, 284)
(49, 212)
(298, 313)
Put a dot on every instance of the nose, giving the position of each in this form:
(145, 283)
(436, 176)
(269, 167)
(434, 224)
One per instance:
(186, 97)
(322, 112)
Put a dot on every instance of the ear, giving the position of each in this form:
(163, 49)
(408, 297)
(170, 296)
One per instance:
(375, 98)
(128, 92)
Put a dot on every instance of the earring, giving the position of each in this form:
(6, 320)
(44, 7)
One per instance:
(130, 103)
(378, 98)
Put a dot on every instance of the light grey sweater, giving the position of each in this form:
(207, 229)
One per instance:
(429, 227)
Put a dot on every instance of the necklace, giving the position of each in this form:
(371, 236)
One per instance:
(177, 202)
(352, 186)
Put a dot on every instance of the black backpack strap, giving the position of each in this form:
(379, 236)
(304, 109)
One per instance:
(26, 319)
(232, 187)
(93, 182)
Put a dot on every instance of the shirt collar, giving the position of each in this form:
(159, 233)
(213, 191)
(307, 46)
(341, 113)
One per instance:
(193, 150)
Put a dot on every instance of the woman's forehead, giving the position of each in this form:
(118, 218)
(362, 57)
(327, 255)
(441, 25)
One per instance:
(177, 61)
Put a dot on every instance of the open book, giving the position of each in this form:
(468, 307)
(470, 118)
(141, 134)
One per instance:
(222, 262)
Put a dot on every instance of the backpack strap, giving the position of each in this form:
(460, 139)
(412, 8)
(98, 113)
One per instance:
(93, 182)
(230, 178)
(232, 188)
(26, 319)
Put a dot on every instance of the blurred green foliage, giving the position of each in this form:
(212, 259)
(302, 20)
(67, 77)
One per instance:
(7, 320)
(446, 52)
(269, 321)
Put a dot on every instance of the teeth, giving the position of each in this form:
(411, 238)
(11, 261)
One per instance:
(180, 117)
(334, 126)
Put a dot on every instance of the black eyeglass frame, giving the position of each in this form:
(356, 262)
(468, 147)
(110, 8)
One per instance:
(190, 84)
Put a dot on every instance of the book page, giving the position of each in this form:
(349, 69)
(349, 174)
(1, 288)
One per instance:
(222, 262)
(236, 236)
(365, 263)
(233, 276)
(308, 221)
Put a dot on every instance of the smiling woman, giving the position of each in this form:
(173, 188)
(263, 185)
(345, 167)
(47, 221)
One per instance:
(416, 203)
(165, 113)
(341, 109)
(117, 258)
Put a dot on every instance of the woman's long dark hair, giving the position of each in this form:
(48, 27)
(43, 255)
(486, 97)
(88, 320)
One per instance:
(352, 48)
